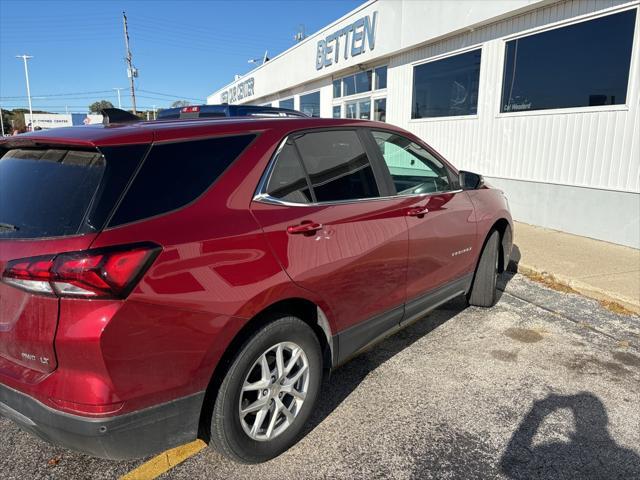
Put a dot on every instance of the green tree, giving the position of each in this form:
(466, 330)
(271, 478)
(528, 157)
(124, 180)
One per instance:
(95, 107)
(180, 104)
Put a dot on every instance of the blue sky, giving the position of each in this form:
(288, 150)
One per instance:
(186, 49)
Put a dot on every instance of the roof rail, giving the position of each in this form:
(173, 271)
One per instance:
(117, 115)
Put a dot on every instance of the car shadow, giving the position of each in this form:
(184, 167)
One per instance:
(345, 379)
(590, 453)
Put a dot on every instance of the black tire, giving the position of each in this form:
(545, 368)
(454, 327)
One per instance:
(483, 291)
(227, 434)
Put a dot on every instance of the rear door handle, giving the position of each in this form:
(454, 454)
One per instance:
(305, 228)
(417, 212)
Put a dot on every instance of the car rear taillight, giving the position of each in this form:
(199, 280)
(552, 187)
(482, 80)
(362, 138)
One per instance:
(192, 109)
(101, 273)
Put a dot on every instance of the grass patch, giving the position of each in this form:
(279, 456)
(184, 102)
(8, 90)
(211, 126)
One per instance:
(550, 281)
(615, 307)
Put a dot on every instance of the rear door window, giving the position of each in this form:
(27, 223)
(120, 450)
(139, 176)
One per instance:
(175, 174)
(47, 192)
(337, 165)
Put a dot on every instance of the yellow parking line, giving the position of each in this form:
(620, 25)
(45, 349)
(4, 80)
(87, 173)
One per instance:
(165, 461)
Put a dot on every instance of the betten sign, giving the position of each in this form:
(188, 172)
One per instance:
(351, 40)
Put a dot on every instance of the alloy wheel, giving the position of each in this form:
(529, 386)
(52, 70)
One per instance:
(274, 391)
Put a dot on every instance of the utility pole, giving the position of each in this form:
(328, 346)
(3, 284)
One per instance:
(1, 122)
(154, 112)
(131, 71)
(26, 75)
(118, 90)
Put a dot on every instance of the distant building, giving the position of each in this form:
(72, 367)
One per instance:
(54, 120)
(541, 97)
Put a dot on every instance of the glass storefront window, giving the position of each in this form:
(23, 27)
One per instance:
(337, 89)
(381, 77)
(447, 87)
(581, 65)
(288, 103)
(364, 109)
(337, 111)
(363, 82)
(351, 110)
(310, 104)
(349, 85)
(380, 109)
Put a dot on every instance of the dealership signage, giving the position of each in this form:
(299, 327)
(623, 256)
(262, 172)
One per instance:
(351, 40)
(238, 92)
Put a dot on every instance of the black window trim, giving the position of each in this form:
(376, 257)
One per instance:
(382, 182)
(563, 24)
(451, 170)
(108, 227)
(443, 56)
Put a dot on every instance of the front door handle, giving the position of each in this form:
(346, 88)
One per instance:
(417, 212)
(305, 228)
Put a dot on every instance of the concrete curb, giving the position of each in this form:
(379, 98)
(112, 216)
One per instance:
(581, 287)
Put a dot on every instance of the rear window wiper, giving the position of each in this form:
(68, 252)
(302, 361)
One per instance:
(7, 227)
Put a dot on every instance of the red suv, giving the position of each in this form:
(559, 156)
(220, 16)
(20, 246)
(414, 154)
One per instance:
(173, 279)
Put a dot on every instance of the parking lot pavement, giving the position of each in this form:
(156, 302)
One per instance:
(544, 385)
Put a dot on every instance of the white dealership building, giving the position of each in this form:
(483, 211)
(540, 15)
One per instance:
(541, 97)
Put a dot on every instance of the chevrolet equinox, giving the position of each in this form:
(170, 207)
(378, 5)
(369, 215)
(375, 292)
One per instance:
(168, 280)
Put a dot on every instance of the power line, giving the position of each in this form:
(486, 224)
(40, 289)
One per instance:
(180, 97)
(55, 94)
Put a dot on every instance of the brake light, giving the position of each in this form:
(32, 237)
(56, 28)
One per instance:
(193, 109)
(101, 273)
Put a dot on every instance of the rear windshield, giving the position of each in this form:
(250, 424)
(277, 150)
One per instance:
(56, 192)
(45, 193)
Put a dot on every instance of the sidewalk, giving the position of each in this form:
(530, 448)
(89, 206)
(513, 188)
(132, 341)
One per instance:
(596, 269)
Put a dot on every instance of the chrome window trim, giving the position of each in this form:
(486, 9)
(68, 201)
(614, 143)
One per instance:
(262, 196)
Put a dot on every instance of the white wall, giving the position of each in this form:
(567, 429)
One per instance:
(549, 152)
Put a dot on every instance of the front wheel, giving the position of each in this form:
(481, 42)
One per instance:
(483, 290)
(268, 393)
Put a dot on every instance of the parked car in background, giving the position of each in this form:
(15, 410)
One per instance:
(173, 279)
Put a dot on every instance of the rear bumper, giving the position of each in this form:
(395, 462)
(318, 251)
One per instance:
(132, 435)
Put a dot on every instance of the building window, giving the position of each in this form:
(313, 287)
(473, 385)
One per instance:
(447, 87)
(380, 109)
(381, 77)
(310, 104)
(581, 65)
(359, 109)
(360, 82)
(337, 111)
(288, 103)
(363, 82)
(349, 85)
(337, 89)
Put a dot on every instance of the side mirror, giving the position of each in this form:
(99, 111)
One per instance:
(470, 180)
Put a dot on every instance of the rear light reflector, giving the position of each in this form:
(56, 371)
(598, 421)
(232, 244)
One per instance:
(100, 273)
